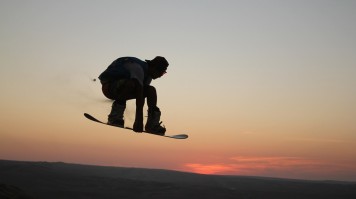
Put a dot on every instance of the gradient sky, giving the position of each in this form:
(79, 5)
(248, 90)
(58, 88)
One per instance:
(263, 88)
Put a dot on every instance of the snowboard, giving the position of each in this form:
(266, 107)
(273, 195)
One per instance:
(178, 136)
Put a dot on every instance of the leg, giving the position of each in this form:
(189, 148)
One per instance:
(126, 90)
(151, 94)
(116, 116)
(153, 124)
(121, 90)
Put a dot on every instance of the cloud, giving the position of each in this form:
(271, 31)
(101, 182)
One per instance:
(210, 168)
(320, 140)
(263, 164)
(272, 166)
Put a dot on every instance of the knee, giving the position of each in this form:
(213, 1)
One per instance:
(127, 90)
(151, 89)
(130, 84)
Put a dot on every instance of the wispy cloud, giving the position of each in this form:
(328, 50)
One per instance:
(210, 168)
(247, 165)
(261, 164)
(321, 140)
(276, 166)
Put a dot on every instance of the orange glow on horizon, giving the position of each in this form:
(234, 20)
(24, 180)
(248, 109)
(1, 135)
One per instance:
(209, 168)
(268, 166)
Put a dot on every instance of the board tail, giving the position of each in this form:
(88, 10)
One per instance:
(92, 118)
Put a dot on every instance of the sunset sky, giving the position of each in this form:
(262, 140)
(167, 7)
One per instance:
(262, 87)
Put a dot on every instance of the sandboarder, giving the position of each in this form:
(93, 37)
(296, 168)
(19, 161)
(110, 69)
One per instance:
(129, 78)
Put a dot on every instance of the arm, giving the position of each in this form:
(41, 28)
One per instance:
(137, 75)
(140, 101)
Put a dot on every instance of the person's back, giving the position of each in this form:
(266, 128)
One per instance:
(117, 70)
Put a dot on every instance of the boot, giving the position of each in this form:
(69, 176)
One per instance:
(116, 116)
(153, 124)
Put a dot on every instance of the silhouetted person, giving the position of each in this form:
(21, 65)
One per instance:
(129, 78)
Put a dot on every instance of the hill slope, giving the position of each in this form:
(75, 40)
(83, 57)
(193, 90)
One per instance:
(60, 180)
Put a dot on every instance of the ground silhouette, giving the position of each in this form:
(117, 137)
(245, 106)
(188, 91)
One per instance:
(42, 180)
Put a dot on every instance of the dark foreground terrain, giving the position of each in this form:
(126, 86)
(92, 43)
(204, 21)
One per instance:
(42, 180)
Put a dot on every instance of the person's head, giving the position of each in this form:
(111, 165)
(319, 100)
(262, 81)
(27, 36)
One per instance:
(157, 67)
